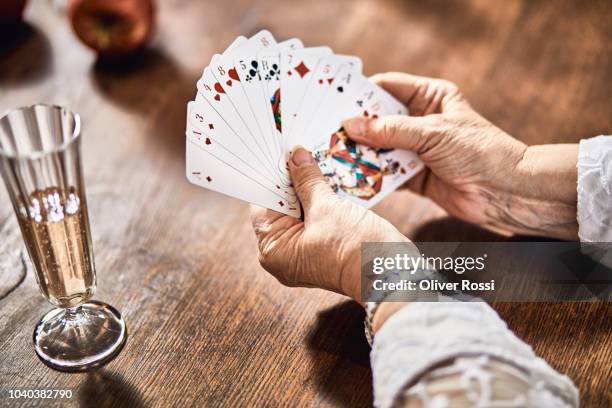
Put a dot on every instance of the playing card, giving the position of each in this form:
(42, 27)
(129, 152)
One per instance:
(205, 170)
(269, 71)
(321, 83)
(224, 69)
(206, 129)
(360, 173)
(297, 69)
(248, 69)
(336, 106)
(212, 91)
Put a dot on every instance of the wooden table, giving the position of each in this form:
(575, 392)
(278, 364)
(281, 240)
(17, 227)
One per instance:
(207, 325)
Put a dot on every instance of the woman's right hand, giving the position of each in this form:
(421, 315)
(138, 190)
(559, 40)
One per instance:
(475, 171)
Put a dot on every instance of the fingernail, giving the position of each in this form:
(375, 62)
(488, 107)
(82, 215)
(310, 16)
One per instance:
(301, 157)
(355, 126)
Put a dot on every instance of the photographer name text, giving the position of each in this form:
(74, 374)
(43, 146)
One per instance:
(433, 285)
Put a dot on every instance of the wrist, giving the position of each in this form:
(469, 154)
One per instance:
(384, 311)
(542, 197)
(351, 278)
(549, 172)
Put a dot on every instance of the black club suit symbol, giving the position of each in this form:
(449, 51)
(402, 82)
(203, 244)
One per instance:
(252, 71)
(273, 73)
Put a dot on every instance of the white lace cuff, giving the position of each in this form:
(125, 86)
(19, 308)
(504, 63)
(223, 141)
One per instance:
(595, 189)
(426, 334)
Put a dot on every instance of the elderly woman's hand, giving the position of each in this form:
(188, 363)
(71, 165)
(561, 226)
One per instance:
(323, 250)
(475, 171)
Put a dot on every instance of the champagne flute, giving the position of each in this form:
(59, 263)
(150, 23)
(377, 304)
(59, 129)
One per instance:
(40, 162)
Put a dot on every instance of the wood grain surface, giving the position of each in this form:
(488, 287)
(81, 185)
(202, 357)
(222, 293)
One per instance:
(208, 327)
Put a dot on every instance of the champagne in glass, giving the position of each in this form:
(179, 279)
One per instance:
(40, 162)
(55, 232)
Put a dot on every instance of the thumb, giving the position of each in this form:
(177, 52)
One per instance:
(308, 181)
(391, 132)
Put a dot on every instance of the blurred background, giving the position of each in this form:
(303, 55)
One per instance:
(505, 55)
(540, 70)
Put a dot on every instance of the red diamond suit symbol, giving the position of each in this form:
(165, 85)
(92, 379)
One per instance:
(301, 69)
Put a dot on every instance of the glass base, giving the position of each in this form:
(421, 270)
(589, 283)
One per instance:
(80, 339)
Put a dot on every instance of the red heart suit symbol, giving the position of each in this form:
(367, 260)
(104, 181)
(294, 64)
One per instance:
(219, 88)
(233, 74)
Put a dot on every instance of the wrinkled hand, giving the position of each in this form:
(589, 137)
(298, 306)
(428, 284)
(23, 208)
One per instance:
(475, 171)
(323, 250)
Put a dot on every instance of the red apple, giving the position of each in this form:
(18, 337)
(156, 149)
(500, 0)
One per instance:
(11, 11)
(113, 27)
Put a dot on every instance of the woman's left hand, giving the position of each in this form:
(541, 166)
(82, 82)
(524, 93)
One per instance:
(324, 250)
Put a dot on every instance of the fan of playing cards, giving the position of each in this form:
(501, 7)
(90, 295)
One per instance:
(260, 98)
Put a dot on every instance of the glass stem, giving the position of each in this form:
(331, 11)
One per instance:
(72, 313)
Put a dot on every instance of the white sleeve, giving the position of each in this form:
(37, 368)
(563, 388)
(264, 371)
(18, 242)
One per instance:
(595, 198)
(595, 189)
(467, 348)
